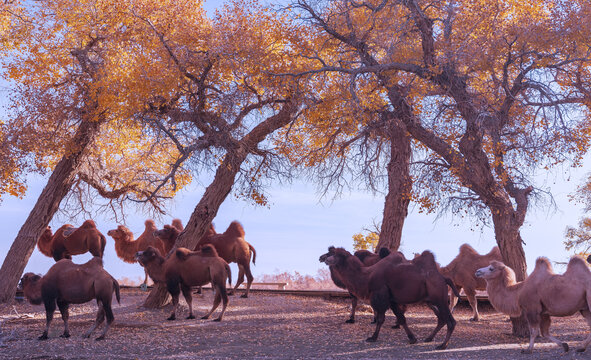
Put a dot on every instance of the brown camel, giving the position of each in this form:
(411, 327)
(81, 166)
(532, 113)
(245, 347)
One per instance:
(542, 295)
(186, 268)
(68, 241)
(461, 271)
(68, 283)
(368, 258)
(391, 283)
(126, 247)
(168, 236)
(232, 247)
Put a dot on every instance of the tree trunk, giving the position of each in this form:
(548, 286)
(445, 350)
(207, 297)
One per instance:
(510, 243)
(202, 216)
(399, 187)
(57, 188)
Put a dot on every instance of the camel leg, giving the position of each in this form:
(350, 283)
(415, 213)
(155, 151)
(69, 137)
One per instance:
(353, 308)
(49, 310)
(533, 320)
(244, 269)
(100, 317)
(239, 280)
(379, 303)
(109, 313)
(471, 294)
(220, 294)
(63, 306)
(444, 317)
(189, 299)
(173, 287)
(145, 277)
(587, 315)
(397, 325)
(453, 299)
(545, 330)
(401, 320)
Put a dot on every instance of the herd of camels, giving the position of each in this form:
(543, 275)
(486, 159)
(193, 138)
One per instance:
(387, 280)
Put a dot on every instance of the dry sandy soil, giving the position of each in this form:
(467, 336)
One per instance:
(268, 327)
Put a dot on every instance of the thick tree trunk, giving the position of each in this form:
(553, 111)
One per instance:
(510, 243)
(57, 187)
(399, 188)
(202, 216)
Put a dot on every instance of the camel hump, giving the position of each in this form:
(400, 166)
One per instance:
(496, 252)
(95, 261)
(208, 250)
(235, 229)
(88, 224)
(577, 264)
(177, 223)
(426, 260)
(150, 224)
(384, 252)
(467, 249)
(362, 254)
(543, 264)
(183, 253)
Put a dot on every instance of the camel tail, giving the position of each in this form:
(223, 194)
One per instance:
(229, 271)
(117, 294)
(452, 286)
(254, 254)
(103, 244)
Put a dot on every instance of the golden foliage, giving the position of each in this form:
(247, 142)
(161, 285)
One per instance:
(368, 241)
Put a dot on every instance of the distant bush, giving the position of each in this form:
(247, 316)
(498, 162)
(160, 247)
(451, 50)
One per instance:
(297, 281)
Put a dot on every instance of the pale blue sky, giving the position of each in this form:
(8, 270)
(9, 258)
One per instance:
(297, 227)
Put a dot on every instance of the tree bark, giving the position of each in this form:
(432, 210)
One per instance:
(47, 204)
(399, 187)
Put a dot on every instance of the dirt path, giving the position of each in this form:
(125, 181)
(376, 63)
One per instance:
(269, 327)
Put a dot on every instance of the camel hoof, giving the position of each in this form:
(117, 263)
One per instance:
(205, 317)
(428, 340)
(102, 337)
(412, 340)
(441, 347)
(191, 316)
(171, 317)
(350, 321)
(396, 326)
(581, 349)
(244, 296)
(65, 335)
(218, 320)
(526, 351)
(474, 319)
(42, 337)
(371, 339)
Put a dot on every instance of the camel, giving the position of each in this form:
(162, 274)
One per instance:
(368, 258)
(542, 295)
(186, 268)
(391, 283)
(461, 271)
(68, 241)
(232, 247)
(126, 247)
(68, 283)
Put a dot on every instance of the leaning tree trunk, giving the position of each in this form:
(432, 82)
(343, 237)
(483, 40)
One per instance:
(47, 204)
(510, 243)
(202, 216)
(218, 190)
(399, 187)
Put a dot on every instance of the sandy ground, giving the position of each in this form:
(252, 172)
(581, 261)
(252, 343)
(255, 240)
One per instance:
(269, 327)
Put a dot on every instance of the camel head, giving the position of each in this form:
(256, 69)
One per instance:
(324, 256)
(148, 256)
(168, 232)
(31, 285)
(121, 233)
(494, 270)
(338, 257)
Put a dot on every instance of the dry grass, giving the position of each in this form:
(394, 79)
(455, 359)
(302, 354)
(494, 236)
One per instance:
(269, 327)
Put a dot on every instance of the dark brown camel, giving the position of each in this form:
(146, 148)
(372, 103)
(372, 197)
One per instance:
(186, 268)
(368, 258)
(232, 247)
(461, 271)
(391, 283)
(68, 283)
(68, 241)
